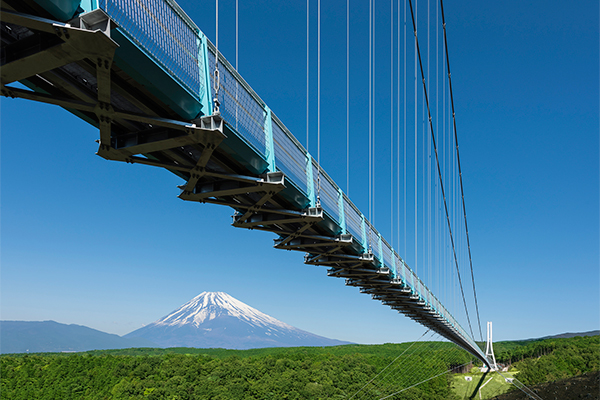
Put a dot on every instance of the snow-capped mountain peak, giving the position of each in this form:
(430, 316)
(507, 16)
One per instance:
(215, 319)
(210, 305)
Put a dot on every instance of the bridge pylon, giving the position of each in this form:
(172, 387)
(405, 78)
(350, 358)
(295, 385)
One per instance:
(489, 349)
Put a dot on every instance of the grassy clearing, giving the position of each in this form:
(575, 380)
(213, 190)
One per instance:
(488, 385)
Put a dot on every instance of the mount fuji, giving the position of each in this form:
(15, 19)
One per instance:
(215, 319)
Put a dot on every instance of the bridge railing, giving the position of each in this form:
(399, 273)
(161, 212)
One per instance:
(290, 155)
(166, 33)
(353, 219)
(240, 105)
(162, 30)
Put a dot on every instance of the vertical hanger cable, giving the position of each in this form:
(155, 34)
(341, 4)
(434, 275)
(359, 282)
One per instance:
(416, 215)
(307, 75)
(217, 79)
(236, 34)
(392, 121)
(404, 70)
(348, 97)
(370, 114)
(319, 105)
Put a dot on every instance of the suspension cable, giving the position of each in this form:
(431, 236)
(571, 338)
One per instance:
(217, 79)
(348, 97)
(237, 84)
(404, 128)
(428, 170)
(522, 387)
(398, 122)
(374, 78)
(319, 104)
(438, 166)
(236, 34)
(459, 170)
(435, 361)
(401, 372)
(437, 229)
(423, 381)
(393, 361)
(404, 375)
(370, 116)
(416, 169)
(392, 121)
(307, 74)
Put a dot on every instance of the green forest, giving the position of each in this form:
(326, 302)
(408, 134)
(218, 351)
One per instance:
(551, 359)
(277, 373)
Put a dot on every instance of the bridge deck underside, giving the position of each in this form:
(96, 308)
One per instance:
(137, 127)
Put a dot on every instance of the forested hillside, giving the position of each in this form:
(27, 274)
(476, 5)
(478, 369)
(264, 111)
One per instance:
(279, 373)
(294, 373)
(554, 359)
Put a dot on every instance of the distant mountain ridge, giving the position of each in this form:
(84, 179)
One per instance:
(51, 336)
(570, 335)
(216, 319)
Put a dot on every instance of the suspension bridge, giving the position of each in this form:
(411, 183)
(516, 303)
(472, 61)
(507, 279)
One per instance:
(161, 94)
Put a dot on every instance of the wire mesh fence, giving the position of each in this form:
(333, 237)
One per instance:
(290, 157)
(238, 105)
(157, 28)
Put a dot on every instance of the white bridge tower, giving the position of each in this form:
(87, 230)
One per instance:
(489, 349)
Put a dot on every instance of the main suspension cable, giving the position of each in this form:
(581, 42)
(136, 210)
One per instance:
(438, 166)
(459, 170)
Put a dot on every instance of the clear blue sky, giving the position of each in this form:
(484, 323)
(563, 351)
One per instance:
(108, 245)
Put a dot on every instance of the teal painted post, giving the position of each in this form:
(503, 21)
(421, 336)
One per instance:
(203, 70)
(365, 242)
(381, 258)
(310, 182)
(269, 146)
(403, 266)
(88, 5)
(342, 220)
(393, 264)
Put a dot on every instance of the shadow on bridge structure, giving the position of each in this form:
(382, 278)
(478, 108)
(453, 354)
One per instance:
(149, 91)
